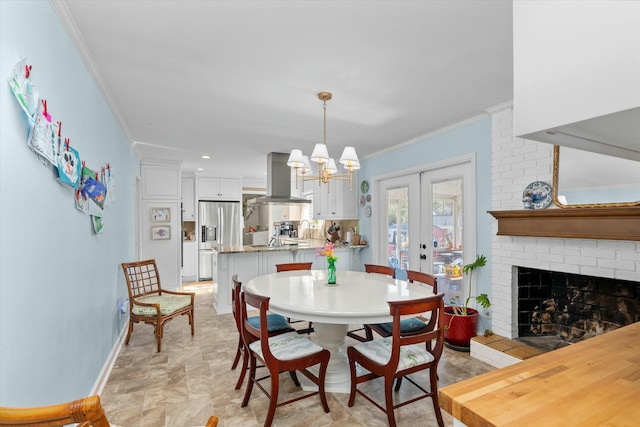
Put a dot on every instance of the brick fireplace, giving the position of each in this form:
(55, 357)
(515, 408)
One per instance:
(516, 163)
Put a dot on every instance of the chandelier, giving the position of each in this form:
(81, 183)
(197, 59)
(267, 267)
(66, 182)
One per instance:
(327, 169)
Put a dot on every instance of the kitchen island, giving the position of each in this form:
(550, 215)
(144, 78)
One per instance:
(252, 261)
(595, 382)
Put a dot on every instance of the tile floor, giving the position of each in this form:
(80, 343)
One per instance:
(191, 379)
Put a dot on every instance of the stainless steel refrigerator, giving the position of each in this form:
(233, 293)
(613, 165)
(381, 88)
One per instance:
(220, 225)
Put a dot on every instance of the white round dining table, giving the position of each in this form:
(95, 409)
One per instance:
(357, 298)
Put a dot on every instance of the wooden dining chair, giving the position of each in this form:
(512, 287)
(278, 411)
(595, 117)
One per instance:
(411, 325)
(292, 266)
(281, 353)
(276, 324)
(380, 269)
(150, 303)
(371, 268)
(398, 356)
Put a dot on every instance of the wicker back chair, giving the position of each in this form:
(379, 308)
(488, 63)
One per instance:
(149, 303)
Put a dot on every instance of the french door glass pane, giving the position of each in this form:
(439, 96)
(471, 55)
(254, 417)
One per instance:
(397, 201)
(447, 210)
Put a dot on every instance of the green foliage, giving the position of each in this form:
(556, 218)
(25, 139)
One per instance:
(482, 299)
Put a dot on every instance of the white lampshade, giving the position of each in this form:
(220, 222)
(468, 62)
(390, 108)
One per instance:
(331, 167)
(307, 165)
(296, 159)
(349, 157)
(320, 153)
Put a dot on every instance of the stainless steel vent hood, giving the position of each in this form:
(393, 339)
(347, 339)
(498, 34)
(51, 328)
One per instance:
(279, 182)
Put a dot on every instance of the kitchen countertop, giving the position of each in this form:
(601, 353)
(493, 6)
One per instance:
(594, 382)
(289, 245)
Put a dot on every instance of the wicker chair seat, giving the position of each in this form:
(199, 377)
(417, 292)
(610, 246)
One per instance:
(169, 304)
(287, 346)
(379, 351)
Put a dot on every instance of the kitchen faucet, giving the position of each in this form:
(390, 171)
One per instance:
(301, 235)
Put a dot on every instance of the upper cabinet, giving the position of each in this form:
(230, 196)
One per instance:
(339, 202)
(216, 188)
(188, 198)
(160, 180)
(576, 74)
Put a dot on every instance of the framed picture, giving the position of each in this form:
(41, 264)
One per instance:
(160, 214)
(161, 232)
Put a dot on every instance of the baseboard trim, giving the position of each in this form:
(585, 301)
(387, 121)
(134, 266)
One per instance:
(102, 379)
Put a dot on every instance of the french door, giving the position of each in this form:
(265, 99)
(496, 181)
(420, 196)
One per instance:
(422, 219)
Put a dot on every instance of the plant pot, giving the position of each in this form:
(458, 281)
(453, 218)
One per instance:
(460, 329)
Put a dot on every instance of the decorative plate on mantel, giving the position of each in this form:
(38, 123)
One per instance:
(540, 193)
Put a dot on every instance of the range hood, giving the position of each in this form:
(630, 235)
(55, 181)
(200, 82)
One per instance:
(616, 134)
(279, 182)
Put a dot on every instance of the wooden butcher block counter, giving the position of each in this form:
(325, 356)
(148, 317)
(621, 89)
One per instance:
(595, 382)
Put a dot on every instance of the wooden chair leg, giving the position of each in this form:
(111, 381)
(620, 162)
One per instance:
(433, 379)
(294, 377)
(245, 361)
(273, 400)
(388, 397)
(238, 354)
(252, 377)
(126, 342)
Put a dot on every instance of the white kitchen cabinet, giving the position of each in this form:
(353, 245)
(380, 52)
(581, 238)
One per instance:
(270, 259)
(339, 202)
(576, 68)
(189, 260)
(188, 199)
(160, 180)
(217, 188)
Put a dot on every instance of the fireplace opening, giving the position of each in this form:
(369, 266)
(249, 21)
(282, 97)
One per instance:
(557, 309)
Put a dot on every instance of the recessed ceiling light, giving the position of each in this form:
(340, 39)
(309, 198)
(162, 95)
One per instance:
(200, 169)
(206, 157)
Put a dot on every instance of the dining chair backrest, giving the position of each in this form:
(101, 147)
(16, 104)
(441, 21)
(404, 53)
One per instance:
(250, 333)
(433, 305)
(291, 266)
(236, 288)
(380, 269)
(427, 279)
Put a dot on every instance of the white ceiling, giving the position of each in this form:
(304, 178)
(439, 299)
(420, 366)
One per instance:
(239, 79)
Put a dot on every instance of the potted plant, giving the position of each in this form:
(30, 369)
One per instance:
(461, 321)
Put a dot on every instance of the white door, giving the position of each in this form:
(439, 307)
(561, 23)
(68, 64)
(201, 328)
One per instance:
(420, 220)
(448, 203)
(399, 224)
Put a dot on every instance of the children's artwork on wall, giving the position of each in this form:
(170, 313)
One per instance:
(161, 232)
(160, 214)
(91, 187)
(98, 224)
(22, 88)
(109, 181)
(69, 166)
(42, 137)
(82, 202)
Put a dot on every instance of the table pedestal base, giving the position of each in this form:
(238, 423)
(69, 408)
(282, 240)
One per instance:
(332, 337)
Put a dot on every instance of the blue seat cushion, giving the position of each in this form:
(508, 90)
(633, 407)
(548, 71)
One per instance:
(275, 322)
(406, 326)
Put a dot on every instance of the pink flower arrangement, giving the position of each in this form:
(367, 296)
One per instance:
(327, 251)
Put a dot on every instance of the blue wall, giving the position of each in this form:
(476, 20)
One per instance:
(59, 282)
(473, 137)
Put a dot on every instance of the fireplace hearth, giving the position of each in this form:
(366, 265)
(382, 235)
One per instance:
(573, 307)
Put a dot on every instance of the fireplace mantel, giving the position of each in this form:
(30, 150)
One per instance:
(615, 223)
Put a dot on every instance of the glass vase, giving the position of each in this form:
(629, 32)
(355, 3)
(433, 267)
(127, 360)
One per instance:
(331, 272)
